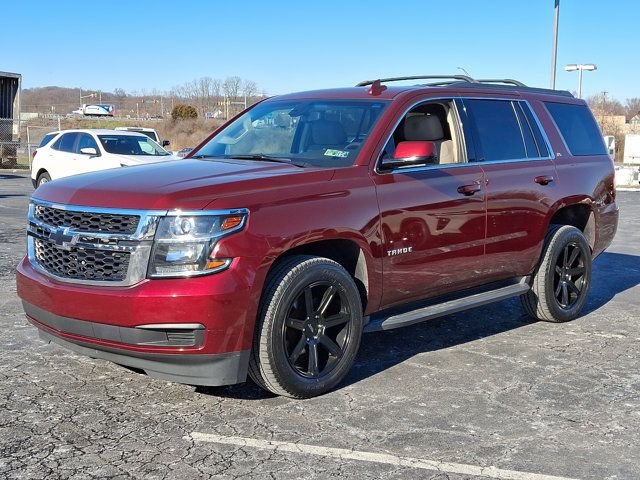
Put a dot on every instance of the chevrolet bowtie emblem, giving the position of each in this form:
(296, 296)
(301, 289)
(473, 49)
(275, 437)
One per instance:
(62, 238)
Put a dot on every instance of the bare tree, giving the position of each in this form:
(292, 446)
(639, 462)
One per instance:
(249, 89)
(632, 107)
(231, 87)
(607, 112)
(603, 104)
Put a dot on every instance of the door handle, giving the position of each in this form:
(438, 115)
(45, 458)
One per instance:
(468, 190)
(543, 179)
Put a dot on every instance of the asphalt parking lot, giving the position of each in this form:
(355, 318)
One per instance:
(481, 394)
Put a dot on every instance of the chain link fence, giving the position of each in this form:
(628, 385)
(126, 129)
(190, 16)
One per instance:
(19, 138)
(9, 143)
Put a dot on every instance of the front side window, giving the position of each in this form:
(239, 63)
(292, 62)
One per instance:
(578, 128)
(86, 141)
(131, 145)
(432, 125)
(322, 133)
(497, 128)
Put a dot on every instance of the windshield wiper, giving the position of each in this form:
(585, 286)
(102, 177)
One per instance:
(267, 158)
(206, 156)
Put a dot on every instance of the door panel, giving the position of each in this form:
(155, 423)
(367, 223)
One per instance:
(517, 209)
(433, 234)
(86, 163)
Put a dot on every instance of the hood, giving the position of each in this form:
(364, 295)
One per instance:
(184, 184)
(130, 160)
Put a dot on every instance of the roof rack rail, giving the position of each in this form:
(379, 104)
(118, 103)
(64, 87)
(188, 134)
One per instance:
(463, 78)
(508, 81)
(461, 81)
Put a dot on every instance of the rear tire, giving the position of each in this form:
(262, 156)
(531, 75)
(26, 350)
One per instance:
(308, 329)
(561, 282)
(44, 177)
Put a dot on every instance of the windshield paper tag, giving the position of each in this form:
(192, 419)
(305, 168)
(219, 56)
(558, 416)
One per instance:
(336, 153)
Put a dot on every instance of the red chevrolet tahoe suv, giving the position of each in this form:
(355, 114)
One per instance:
(313, 217)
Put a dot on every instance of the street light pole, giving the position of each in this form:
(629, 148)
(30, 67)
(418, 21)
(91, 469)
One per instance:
(580, 83)
(554, 51)
(580, 67)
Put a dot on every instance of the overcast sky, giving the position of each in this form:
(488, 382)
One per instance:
(299, 45)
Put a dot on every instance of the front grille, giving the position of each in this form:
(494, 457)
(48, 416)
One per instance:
(82, 264)
(87, 221)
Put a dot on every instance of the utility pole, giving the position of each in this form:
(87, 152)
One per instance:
(554, 51)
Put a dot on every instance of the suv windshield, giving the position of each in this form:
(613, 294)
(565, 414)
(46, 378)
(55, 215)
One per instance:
(322, 133)
(132, 145)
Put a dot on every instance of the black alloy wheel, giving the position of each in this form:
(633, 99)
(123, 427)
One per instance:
(309, 327)
(560, 284)
(316, 329)
(569, 276)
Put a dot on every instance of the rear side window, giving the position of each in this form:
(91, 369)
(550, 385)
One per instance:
(527, 133)
(578, 128)
(151, 135)
(65, 142)
(497, 128)
(46, 139)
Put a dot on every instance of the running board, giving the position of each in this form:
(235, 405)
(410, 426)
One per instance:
(396, 320)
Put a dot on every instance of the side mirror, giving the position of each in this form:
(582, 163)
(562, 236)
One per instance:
(412, 153)
(89, 151)
(166, 143)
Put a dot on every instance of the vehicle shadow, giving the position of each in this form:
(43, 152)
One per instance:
(613, 273)
(8, 176)
(10, 195)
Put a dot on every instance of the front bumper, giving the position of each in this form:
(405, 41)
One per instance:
(212, 370)
(113, 322)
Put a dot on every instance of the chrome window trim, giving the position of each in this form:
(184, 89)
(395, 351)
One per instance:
(138, 244)
(464, 164)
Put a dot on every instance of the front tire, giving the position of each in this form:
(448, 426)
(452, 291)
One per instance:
(561, 282)
(43, 178)
(309, 328)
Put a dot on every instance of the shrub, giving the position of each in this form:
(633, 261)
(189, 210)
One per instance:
(183, 112)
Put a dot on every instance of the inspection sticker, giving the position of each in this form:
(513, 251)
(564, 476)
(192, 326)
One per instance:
(336, 153)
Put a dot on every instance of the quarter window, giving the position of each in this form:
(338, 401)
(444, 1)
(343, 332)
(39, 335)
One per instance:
(578, 128)
(46, 139)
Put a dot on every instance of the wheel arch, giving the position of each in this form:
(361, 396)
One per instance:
(40, 171)
(345, 251)
(348, 252)
(579, 214)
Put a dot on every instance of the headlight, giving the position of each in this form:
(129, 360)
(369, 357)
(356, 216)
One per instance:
(184, 244)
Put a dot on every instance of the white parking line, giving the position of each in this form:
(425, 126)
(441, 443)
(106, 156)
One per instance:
(341, 453)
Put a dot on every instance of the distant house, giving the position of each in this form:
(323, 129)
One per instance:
(635, 120)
